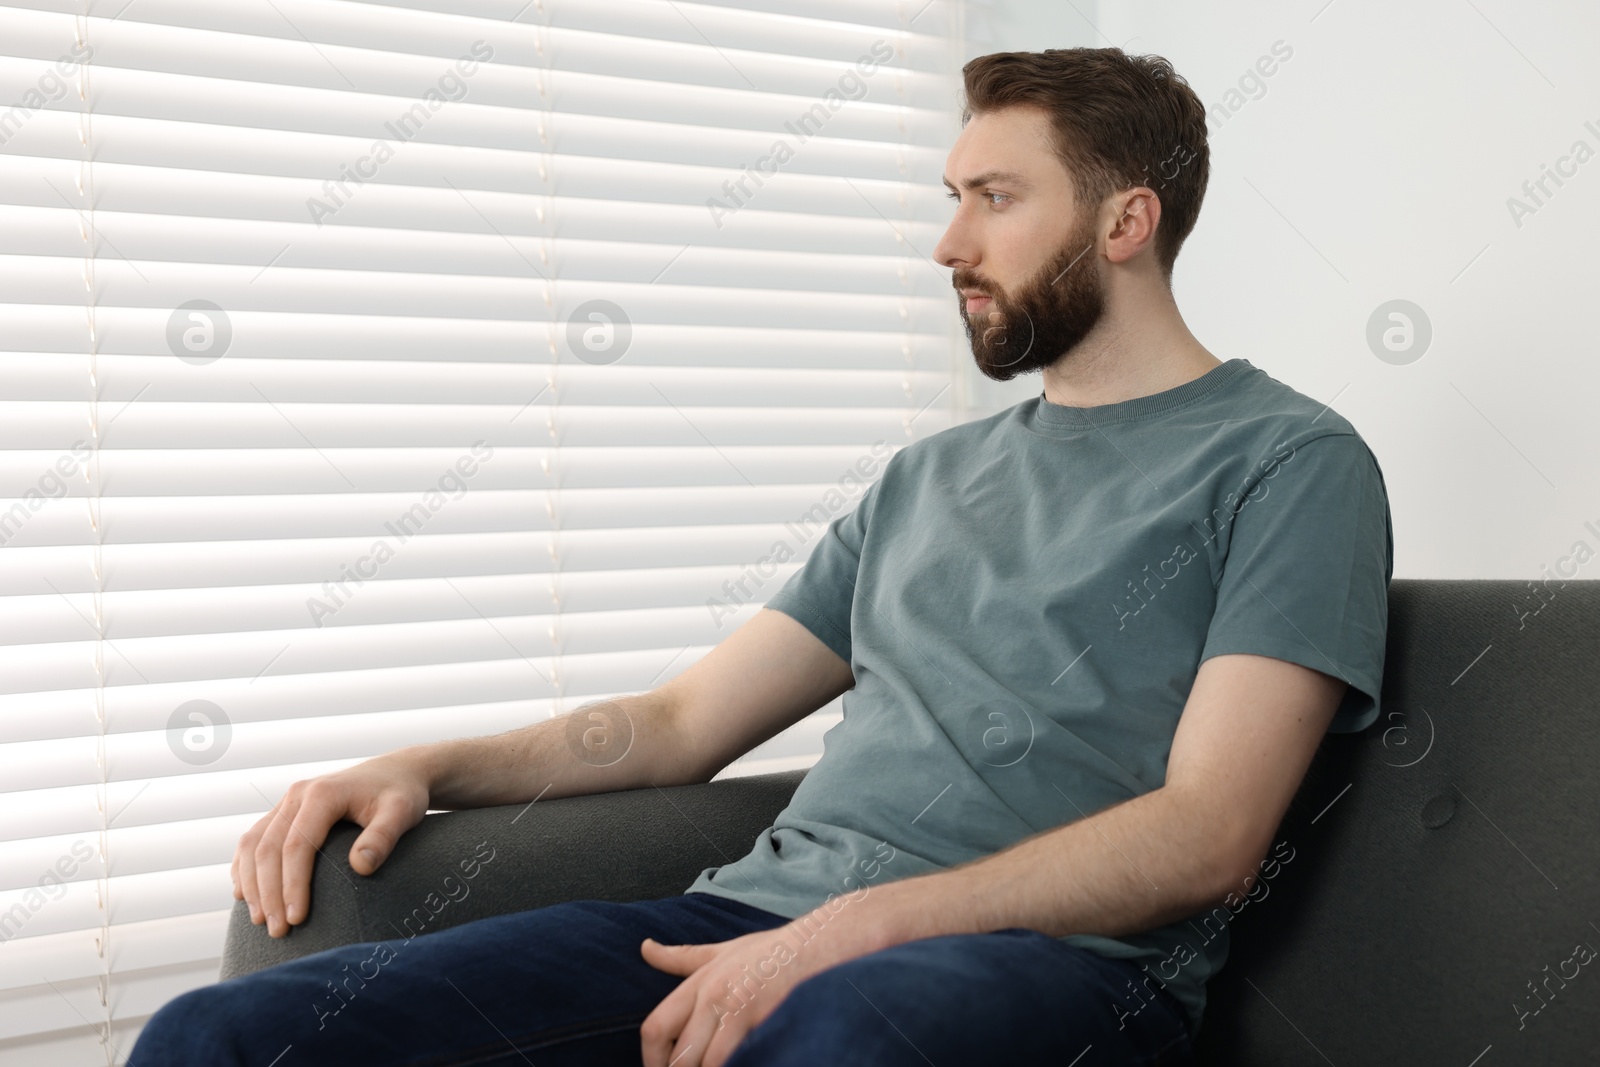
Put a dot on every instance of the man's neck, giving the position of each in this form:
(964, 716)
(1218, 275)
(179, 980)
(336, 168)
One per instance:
(1125, 357)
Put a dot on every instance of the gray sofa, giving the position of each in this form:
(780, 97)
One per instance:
(1443, 875)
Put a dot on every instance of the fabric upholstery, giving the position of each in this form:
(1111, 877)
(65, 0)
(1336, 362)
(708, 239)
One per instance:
(632, 845)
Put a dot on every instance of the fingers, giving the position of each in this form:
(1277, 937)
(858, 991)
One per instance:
(273, 864)
(660, 1029)
(695, 1040)
(269, 862)
(321, 805)
(244, 859)
(394, 816)
(727, 1033)
(675, 959)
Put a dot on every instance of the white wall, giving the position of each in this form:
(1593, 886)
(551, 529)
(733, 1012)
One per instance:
(1376, 164)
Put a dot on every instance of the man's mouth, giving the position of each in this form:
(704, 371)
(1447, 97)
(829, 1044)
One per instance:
(977, 303)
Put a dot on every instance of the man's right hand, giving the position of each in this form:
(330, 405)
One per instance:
(387, 795)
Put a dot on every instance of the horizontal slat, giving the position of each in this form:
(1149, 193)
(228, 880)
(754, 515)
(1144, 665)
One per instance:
(359, 592)
(801, 207)
(888, 14)
(569, 386)
(815, 146)
(139, 547)
(647, 557)
(573, 398)
(253, 296)
(537, 638)
(151, 426)
(369, 470)
(49, 268)
(63, 330)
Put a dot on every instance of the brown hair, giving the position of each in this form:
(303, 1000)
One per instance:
(1120, 121)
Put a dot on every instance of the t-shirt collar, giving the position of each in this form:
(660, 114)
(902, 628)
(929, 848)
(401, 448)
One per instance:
(1050, 414)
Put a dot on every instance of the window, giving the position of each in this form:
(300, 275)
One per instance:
(379, 373)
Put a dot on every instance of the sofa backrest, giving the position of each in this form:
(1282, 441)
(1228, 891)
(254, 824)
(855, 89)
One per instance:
(1442, 901)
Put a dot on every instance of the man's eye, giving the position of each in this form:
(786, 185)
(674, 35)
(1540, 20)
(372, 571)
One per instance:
(989, 196)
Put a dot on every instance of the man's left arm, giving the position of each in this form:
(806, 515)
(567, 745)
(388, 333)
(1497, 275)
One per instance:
(1247, 734)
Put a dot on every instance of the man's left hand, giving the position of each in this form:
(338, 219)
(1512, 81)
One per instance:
(729, 987)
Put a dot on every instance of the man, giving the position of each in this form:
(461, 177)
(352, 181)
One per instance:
(1089, 646)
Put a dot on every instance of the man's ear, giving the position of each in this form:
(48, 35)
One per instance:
(1138, 214)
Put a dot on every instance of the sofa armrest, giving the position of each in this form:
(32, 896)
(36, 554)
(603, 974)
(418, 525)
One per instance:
(457, 866)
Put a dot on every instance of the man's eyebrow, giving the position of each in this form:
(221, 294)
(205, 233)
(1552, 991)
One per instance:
(993, 177)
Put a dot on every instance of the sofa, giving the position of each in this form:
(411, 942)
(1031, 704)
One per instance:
(1439, 906)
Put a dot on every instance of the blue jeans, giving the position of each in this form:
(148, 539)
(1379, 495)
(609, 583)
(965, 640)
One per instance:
(565, 985)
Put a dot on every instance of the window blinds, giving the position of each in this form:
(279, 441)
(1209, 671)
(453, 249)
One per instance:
(378, 373)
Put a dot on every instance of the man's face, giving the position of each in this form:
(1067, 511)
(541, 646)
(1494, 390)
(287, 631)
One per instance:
(1024, 254)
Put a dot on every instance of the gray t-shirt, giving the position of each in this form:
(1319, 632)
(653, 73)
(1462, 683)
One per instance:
(1024, 601)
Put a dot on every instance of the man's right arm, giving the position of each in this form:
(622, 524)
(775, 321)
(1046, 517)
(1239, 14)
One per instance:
(763, 678)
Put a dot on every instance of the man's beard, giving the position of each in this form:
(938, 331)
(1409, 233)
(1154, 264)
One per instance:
(1046, 318)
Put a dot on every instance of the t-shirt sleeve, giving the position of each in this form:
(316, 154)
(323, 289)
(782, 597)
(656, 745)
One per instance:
(819, 595)
(1306, 575)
